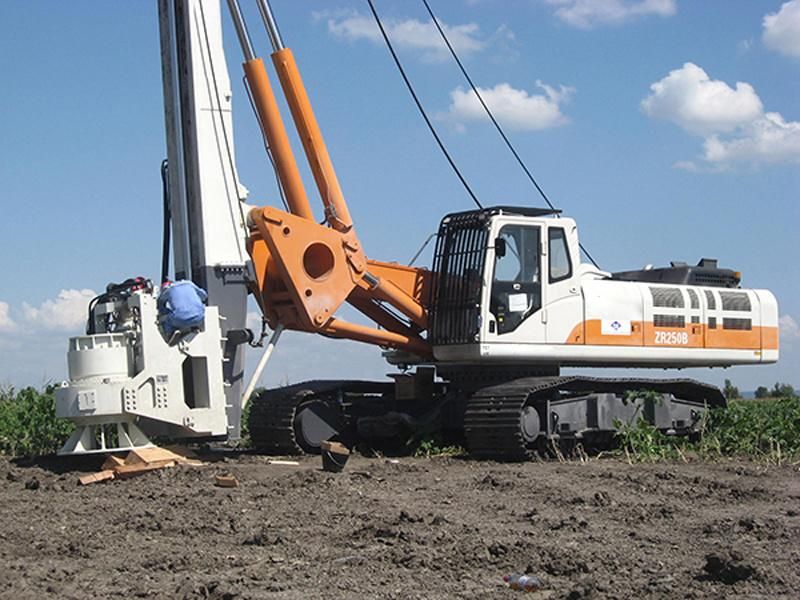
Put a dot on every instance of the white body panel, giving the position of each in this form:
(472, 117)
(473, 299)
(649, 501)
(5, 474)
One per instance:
(587, 319)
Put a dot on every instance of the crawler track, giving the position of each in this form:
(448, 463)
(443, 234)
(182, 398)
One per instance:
(492, 419)
(273, 413)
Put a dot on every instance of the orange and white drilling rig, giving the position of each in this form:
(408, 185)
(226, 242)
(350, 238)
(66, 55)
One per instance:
(480, 336)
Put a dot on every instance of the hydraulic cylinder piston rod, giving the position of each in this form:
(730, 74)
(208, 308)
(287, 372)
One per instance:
(336, 212)
(241, 30)
(271, 123)
(272, 26)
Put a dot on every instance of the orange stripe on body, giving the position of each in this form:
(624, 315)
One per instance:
(644, 334)
(769, 338)
(734, 338)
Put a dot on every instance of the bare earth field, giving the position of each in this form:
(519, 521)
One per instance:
(422, 528)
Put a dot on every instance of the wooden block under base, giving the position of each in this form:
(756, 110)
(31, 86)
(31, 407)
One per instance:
(226, 480)
(139, 461)
(127, 471)
(104, 475)
(112, 462)
(149, 456)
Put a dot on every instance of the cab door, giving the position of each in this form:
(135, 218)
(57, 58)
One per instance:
(515, 293)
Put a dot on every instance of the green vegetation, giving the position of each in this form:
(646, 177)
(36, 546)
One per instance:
(731, 391)
(432, 446)
(759, 428)
(28, 422)
(762, 392)
(782, 390)
(641, 442)
(767, 429)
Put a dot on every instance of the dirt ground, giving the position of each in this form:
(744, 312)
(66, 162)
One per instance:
(420, 528)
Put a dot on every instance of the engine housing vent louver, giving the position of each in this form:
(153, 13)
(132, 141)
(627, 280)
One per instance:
(735, 301)
(693, 299)
(667, 297)
(710, 300)
(737, 324)
(669, 321)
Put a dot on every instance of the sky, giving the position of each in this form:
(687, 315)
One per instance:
(669, 129)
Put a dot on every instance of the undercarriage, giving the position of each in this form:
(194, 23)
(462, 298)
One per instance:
(509, 420)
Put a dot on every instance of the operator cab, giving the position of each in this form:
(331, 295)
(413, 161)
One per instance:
(499, 272)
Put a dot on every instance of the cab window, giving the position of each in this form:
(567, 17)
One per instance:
(560, 263)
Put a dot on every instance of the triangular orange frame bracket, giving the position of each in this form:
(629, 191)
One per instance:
(319, 265)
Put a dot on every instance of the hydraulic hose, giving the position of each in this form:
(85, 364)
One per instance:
(167, 221)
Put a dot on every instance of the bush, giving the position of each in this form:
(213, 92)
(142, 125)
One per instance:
(642, 442)
(766, 428)
(28, 423)
(431, 446)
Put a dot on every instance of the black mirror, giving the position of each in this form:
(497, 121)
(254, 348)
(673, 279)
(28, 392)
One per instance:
(499, 247)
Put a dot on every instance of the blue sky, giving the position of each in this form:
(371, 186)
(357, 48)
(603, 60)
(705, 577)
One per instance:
(669, 129)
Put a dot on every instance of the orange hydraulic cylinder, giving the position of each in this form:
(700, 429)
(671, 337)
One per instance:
(361, 333)
(270, 117)
(389, 292)
(365, 306)
(336, 211)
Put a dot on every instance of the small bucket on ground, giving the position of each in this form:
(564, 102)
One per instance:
(334, 456)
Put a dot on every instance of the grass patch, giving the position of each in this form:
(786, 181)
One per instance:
(761, 429)
(433, 446)
(642, 442)
(28, 422)
(758, 428)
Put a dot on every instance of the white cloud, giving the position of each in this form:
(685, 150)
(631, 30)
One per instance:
(686, 165)
(789, 328)
(411, 34)
(698, 104)
(6, 322)
(782, 29)
(515, 108)
(768, 139)
(68, 311)
(587, 14)
(731, 120)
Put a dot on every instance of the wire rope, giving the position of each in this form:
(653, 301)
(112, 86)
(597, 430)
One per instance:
(494, 121)
(421, 108)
